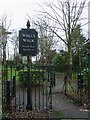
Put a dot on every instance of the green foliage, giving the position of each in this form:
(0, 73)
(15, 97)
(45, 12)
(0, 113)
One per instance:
(13, 72)
(86, 74)
(17, 60)
(78, 41)
(36, 76)
(86, 77)
(59, 61)
(77, 37)
(75, 61)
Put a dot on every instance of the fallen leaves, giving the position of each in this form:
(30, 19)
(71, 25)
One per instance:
(28, 115)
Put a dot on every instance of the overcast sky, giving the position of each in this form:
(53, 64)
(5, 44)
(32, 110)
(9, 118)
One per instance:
(17, 11)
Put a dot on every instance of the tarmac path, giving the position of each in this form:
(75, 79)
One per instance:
(64, 105)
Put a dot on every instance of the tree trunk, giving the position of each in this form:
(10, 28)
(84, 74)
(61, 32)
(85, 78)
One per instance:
(70, 61)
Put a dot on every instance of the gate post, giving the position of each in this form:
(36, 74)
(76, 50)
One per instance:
(8, 106)
(65, 83)
(50, 89)
(29, 92)
(14, 87)
(7, 91)
(80, 87)
(29, 87)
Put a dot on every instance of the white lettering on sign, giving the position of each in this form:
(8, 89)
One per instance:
(28, 40)
(27, 46)
(24, 40)
(28, 49)
(31, 40)
(28, 35)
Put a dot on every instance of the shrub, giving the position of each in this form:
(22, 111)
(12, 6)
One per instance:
(86, 76)
(59, 62)
(36, 76)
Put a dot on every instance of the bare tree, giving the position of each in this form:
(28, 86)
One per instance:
(5, 25)
(15, 42)
(65, 15)
(47, 41)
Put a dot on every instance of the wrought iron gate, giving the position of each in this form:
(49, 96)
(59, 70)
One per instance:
(26, 87)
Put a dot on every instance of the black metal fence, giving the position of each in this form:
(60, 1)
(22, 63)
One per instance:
(27, 87)
(77, 88)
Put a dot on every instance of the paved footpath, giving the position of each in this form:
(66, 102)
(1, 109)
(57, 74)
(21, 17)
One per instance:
(62, 104)
(67, 108)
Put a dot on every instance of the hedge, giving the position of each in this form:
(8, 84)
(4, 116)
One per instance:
(36, 76)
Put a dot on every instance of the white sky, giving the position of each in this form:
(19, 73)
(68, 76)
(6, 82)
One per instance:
(17, 11)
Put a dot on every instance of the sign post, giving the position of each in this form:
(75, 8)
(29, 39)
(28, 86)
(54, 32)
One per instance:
(28, 42)
(28, 47)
